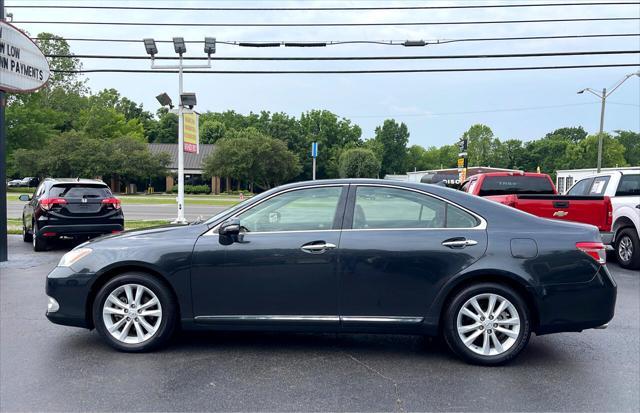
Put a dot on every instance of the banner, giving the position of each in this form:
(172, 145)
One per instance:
(190, 132)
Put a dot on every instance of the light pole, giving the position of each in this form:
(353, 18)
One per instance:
(603, 98)
(186, 99)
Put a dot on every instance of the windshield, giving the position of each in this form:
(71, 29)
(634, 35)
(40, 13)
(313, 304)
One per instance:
(219, 215)
(506, 185)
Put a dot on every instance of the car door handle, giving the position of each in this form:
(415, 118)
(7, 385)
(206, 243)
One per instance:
(461, 243)
(317, 247)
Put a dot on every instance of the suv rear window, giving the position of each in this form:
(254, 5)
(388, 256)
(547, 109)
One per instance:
(504, 185)
(629, 185)
(79, 191)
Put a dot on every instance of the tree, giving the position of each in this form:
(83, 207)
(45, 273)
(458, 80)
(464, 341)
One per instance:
(211, 131)
(359, 163)
(480, 145)
(166, 129)
(573, 134)
(585, 153)
(631, 142)
(393, 138)
(251, 156)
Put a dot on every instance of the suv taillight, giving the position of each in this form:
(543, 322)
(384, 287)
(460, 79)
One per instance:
(48, 203)
(609, 213)
(112, 202)
(595, 250)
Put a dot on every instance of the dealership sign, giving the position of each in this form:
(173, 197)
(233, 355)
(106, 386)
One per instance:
(23, 67)
(190, 132)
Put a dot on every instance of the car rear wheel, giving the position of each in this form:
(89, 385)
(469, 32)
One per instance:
(134, 312)
(628, 249)
(39, 243)
(26, 235)
(487, 324)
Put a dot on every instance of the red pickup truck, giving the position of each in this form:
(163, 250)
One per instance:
(535, 193)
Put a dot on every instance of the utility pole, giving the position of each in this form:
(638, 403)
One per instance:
(603, 98)
(3, 170)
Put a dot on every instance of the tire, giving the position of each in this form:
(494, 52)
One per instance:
(26, 235)
(627, 249)
(144, 332)
(39, 243)
(475, 352)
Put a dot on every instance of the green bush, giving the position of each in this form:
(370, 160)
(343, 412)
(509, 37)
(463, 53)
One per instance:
(193, 189)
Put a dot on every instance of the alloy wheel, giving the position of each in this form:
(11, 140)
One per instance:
(132, 313)
(625, 248)
(488, 324)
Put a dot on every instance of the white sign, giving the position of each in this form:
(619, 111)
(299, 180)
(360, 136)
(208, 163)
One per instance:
(23, 67)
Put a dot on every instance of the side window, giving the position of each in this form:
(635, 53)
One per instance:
(581, 187)
(629, 186)
(385, 208)
(599, 185)
(39, 191)
(560, 185)
(310, 209)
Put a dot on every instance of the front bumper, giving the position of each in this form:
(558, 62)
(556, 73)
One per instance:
(70, 290)
(577, 306)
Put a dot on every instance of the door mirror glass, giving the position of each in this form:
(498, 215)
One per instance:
(24, 198)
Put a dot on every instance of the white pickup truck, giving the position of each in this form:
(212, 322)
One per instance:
(623, 187)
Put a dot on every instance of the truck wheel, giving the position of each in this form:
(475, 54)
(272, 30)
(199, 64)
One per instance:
(628, 249)
(39, 243)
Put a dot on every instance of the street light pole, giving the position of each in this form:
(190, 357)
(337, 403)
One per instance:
(3, 171)
(603, 98)
(180, 48)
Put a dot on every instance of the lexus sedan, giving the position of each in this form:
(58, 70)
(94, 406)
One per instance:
(350, 256)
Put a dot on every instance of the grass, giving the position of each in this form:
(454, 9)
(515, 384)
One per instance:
(14, 225)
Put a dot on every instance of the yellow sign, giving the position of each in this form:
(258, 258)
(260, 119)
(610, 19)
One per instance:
(460, 162)
(190, 132)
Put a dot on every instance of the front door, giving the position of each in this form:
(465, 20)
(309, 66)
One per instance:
(397, 249)
(282, 270)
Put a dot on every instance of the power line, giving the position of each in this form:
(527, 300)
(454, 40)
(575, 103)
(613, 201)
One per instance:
(485, 6)
(321, 58)
(431, 23)
(246, 43)
(370, 71)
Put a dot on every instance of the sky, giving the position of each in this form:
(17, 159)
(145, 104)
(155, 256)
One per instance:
(437, 107)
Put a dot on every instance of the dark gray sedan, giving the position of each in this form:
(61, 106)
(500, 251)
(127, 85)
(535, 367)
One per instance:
(344, 256)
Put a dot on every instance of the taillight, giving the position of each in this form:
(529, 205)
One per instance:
(112, 202)
(48, 203)
(609, 213)
(595, 250)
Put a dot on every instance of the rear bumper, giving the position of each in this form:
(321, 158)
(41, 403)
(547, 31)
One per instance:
(81, 229)
(607, 237)
(577, 306)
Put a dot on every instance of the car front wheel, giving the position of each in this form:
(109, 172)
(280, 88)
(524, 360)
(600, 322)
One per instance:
(134, 312)
(487, 324)
(628, 249)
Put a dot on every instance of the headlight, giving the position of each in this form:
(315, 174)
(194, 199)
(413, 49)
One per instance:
(73, 256)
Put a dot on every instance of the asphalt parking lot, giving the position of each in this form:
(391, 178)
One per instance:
(45, 367)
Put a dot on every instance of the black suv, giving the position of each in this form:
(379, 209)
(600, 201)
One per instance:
(65, 207)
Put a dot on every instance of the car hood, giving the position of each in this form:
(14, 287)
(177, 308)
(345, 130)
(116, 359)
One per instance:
(162, 231)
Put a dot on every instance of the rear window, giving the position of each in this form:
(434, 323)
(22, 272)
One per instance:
(629, 185)
(79, 191)
(504, 185)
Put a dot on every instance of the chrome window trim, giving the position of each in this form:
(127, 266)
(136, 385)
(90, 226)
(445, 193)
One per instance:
(214, 230)
(481, 225)
(313, 318)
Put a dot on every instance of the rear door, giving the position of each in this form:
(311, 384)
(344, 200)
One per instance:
(397, 248)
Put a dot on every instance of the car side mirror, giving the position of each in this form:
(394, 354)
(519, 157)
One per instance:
(229, 231)
(24, 198)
